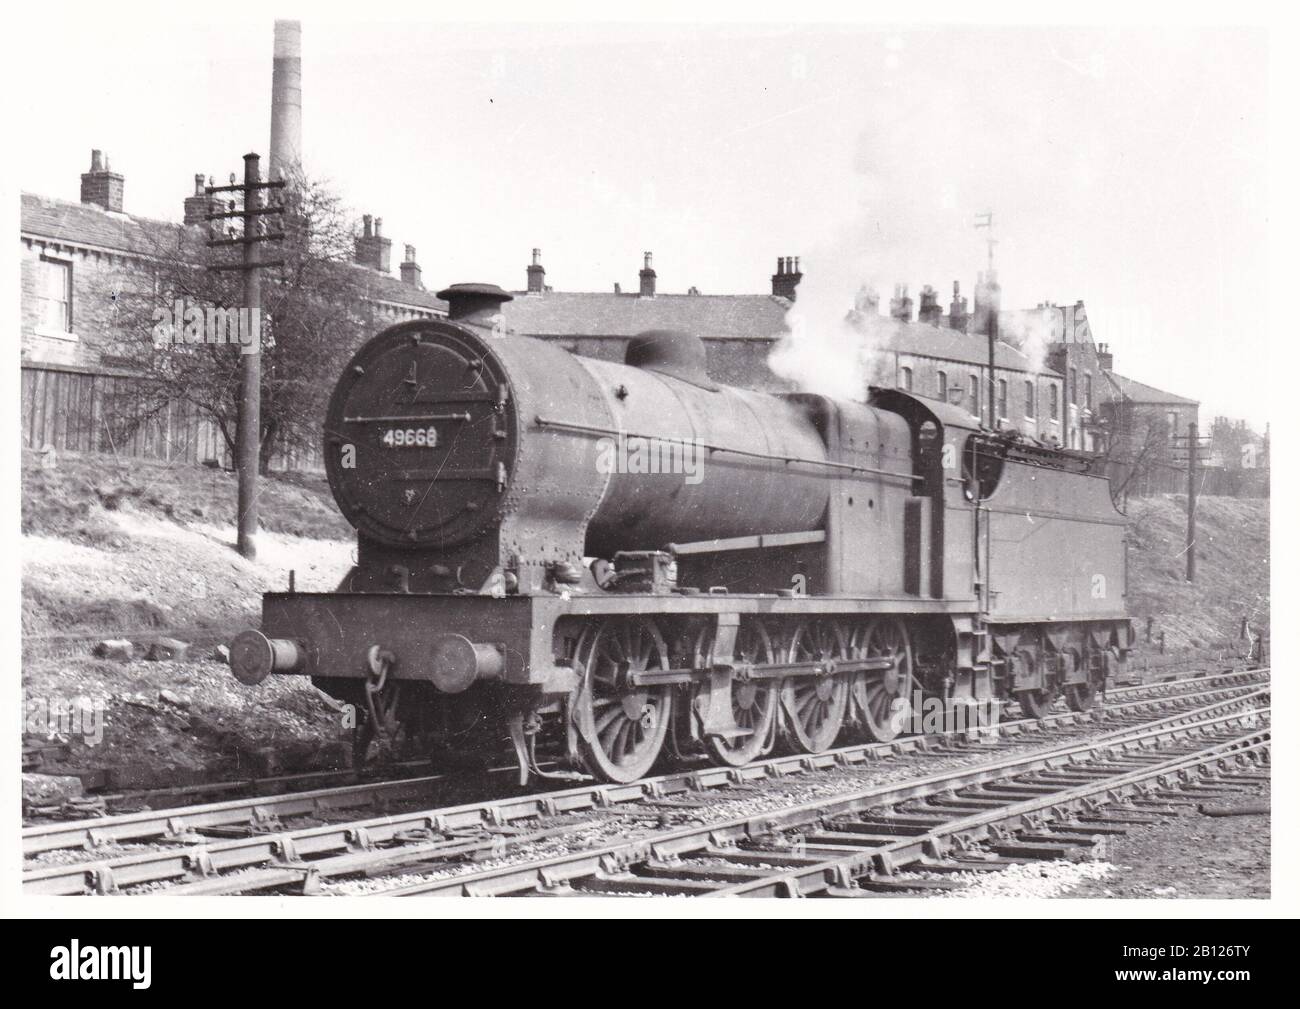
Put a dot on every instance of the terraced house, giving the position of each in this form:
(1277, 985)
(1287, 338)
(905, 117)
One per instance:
(81, 263)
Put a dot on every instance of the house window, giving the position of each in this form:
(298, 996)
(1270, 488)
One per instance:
(55, 297)
(1054, 400)
(1002, 398)
(943, 386)
(1087, 391)
(975, 395)
(1171, 418)
(1031, 406)
(906, 380)
(1074, 386)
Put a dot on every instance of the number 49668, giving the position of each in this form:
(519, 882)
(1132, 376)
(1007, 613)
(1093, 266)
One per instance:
(410, 437)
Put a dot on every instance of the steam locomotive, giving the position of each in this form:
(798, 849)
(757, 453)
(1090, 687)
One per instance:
(599, 565)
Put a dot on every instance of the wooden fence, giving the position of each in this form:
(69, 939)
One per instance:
(81, 411)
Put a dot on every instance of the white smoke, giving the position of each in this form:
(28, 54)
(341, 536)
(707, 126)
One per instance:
(1030, 332)
(829, 347)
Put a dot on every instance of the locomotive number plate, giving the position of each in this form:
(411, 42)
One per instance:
(410, 437)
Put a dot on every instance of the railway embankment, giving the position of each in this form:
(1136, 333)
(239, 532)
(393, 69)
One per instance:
(142, 553)
(1200, 619)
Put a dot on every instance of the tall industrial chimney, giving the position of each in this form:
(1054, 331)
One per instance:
(286, 99)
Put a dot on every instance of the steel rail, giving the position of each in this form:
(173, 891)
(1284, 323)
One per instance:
(295, 847)
(261, 811)
(843, 871)
(557, 872)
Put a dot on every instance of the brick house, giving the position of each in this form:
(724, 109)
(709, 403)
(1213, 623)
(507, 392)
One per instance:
(1143, 422)
(79, 261)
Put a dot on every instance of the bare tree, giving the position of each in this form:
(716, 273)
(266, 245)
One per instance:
(315, 313)
(1132, 456)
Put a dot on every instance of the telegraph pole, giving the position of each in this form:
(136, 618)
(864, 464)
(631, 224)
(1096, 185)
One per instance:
(248, 446)
(1194, 446)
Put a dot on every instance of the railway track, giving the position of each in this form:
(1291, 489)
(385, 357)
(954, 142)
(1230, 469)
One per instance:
(198, 850)
(893, 839)
(261, 813)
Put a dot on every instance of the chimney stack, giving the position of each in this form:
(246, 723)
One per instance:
(372, 248)
(536, 274)
(786, 278)
(930, 312)
(197, 206)
(900, 305)
(286, 100)
(648, 277)
(100, 185)
(410, 269)
(957, 314)
(867, 300)
(1105, 359)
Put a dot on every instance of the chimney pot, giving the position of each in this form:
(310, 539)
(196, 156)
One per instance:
(372, 248)
(536, 274)
(101, 186)
(410, 269)
(648, 277)
(786, 278)
(197, 206)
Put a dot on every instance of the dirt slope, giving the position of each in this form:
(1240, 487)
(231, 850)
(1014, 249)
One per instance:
(1232, 569)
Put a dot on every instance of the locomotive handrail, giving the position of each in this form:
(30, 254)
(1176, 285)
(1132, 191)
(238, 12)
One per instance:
(399, 418)
(769, 456)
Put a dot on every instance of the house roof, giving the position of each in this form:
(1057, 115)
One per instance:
(710, 316)
(86, 224)
(947, 344)
(89, 225)
(1120, 387)
(758, 317)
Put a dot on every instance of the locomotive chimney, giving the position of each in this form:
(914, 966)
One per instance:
(411, 269)
(648, 277)
(286, 100)
(474, 304)
(786, 278)
(536, 274)
(100, 185)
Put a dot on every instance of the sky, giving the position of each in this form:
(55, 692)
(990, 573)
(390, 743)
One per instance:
(1125, 167)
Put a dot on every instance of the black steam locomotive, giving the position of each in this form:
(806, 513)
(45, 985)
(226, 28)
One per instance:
(597, 563)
